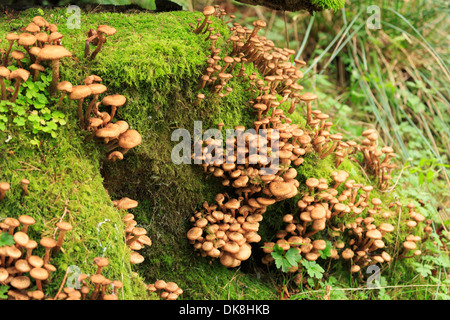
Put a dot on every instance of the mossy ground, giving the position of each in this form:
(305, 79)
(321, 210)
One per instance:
(155, 61)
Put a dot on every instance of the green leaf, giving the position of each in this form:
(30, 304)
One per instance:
(6, 239)
(313, 269)
(4, 292)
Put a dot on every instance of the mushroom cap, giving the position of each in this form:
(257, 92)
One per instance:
(19, 74)
(26, 219)
(80, 92)
(318, 212)
(65, 226)
(126, 203)
(48, 242)
(208, 10)
(160, 284)
(280, 188)
(53, 52)
(65, 86)
(21, 238)
(129, 139)
(245, 251)
(194, 233)
(21, 282)
(115, 100)
(12, 37)
(40, 21)
(171, 286)
(18, 55)
(4, 72)
(26, 39)
(123, 125)
(308, 96)
(136, 258)
(3, 274)
(35, 261)
(97, 88)
(32, 27)
(374, 234)
(139, 231)
(109, 31)
(38, 67)
(110, 131)
(116, 155)
(259, 23)
(101, 261)
(42, 37)
(39, 274)
(97, 278)
(22, 265)
(54, 36)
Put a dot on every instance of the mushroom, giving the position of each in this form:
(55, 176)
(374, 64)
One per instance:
(101, 262)
(63, 228)
(4, 74)
(114, 101)
(96, 90)
(20, 75)
(207, 12)
(54, 53)
(66, 87)
(11, 37)
(129, 139)
(27, 40)
(102, 32)
(4, 186)
(308, 97)
(79, 93)
(48, 244)
(18, 56)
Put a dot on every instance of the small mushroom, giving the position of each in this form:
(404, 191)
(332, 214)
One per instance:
(102, 32)
(54, 53)
(115, 101)
(20, 75)
(63, 228)
(4, 186)
(79, 93)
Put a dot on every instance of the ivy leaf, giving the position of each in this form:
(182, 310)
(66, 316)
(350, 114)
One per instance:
(6, 239)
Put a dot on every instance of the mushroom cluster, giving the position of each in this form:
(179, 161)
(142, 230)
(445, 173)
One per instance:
(20, 268)
(42, 42)
(226, 229)
(135, 237)
(93, 287)
(97, 38)
(113, 134)
(165, 290)
(321, 215)
(376, 162)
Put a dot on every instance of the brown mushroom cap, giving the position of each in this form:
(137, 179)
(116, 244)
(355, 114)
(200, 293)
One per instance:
(20, 73)
(4, 72)
(39, 274)
(109, 31)
(129, 139)
(97, 88)
(194, 233)
(53, 52)
(115, 100)
(126, 203)
(65, 226)
(26, 39)
(160, 284)
(65, 86)
(21, 282)
(80, 92)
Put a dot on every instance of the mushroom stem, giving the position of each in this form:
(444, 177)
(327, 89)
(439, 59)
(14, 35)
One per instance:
(5, 59)
(55, 77)
(80, 112)
(101, 41)
(16, 91)
(3, 86)
(60, 98)
(113, 111)
(89, 110)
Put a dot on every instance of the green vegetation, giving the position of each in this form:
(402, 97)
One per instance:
(155, 61)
